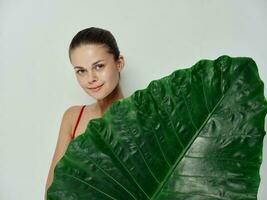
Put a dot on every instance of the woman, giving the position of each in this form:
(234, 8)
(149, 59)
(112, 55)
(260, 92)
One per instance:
(97, 63)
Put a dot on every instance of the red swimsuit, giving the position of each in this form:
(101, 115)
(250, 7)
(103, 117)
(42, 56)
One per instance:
(77, 122)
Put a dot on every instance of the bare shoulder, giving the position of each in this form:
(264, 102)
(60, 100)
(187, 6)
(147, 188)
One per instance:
(63, 139)
(72, 109)
(67, 119)
(72, 112)
(68, 115)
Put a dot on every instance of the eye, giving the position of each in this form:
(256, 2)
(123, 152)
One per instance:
(80, 70)
(99, 66)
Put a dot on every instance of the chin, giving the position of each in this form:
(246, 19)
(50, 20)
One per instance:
(98, 96)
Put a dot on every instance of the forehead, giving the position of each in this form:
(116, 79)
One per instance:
(89, 53)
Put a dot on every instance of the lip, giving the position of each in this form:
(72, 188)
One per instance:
(96, 88)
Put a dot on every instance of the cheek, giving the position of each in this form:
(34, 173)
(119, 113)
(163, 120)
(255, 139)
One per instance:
(81, 81)
(111, 76)
(114, 78)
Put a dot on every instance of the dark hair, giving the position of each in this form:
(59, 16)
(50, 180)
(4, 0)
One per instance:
(94, 35)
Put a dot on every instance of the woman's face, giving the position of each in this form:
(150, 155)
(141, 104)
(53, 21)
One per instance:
(95, 67)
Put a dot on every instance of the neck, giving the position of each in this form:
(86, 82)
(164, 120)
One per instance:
(105, 103)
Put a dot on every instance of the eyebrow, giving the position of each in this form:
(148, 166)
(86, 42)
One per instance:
(80, 67)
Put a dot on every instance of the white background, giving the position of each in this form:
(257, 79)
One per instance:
(38, 84)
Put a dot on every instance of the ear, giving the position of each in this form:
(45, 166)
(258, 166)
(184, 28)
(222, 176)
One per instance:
(120, 63)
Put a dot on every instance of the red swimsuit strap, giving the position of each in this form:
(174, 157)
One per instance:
(78, 120)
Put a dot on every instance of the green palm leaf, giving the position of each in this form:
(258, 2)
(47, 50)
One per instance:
(196, 134)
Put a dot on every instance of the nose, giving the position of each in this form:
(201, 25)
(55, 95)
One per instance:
(91, 77)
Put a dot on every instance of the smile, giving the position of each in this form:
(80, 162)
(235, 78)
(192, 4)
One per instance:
(96, 89)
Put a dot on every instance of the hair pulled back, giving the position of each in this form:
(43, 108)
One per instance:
(94, 35)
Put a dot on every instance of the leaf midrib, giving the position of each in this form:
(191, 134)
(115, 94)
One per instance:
(160, 187)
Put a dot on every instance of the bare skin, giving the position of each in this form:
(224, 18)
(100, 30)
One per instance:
(94, 111)
(105, 73)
